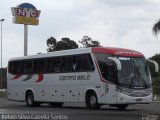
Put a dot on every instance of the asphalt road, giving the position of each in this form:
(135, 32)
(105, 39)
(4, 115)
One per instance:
(18, 110)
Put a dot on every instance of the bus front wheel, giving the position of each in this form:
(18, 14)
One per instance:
(92, 101)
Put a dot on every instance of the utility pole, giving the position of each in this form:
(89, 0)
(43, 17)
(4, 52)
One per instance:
(1, 57)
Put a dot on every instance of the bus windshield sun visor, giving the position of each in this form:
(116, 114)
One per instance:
(117, 61)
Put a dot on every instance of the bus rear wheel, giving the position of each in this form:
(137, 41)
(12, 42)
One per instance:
(92, 101)
(30, 100)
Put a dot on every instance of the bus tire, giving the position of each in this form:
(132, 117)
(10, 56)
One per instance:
(92, 101)
(30, 100)
(122, 106)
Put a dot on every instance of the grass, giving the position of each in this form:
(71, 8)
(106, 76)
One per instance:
(2, 94)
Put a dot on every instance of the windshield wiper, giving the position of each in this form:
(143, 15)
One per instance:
(140, 76)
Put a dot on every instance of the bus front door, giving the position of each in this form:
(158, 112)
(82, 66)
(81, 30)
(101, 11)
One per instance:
(110, 93)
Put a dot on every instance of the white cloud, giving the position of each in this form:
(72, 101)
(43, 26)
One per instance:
(12, 46)
(117, 23)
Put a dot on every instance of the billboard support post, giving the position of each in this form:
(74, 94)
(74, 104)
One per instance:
(26, 14)
(25, 40)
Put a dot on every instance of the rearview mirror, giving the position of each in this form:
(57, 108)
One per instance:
(117, 61)
(155, 65)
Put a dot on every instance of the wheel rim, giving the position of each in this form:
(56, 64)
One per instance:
(30, 99)
(93, 100)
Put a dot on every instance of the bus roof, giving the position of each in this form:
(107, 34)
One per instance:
(117, 51)
(55, 53)
(107, 50)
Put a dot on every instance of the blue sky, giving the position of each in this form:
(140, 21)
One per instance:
(114, 23)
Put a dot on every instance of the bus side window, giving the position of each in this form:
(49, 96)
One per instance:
(28, 67)
(74, 63)
(39, 66)
(92, 68)
(21, 68)
(62, 64)
(85, 63)
(48, 65)
(54, 65)
(10, 68)
(57, 64)
(70, 64)
(13, 67)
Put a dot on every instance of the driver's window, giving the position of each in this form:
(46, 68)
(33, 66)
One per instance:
(107, 67)
(110, 72)
(107, 71)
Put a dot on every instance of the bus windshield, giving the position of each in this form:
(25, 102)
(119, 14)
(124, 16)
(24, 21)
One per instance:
(134, 73)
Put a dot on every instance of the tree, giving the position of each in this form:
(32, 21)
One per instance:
(64, 44)
(156, 58)
(156, 28)
(156, 84)
(156, 76)
(4, 78)
(88, 42)
(51, 43)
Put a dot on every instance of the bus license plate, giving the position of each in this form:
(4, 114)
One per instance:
(139, 99)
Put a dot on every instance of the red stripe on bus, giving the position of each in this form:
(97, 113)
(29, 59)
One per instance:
(40, 77)
(117, 51)
(16, 77)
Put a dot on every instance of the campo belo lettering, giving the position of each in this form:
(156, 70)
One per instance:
(79, 77)
(67, 78)
(83, 77)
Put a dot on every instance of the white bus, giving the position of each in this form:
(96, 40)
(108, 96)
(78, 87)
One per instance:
(95, 76)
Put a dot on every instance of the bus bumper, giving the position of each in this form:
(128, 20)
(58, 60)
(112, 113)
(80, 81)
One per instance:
(126, 99)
